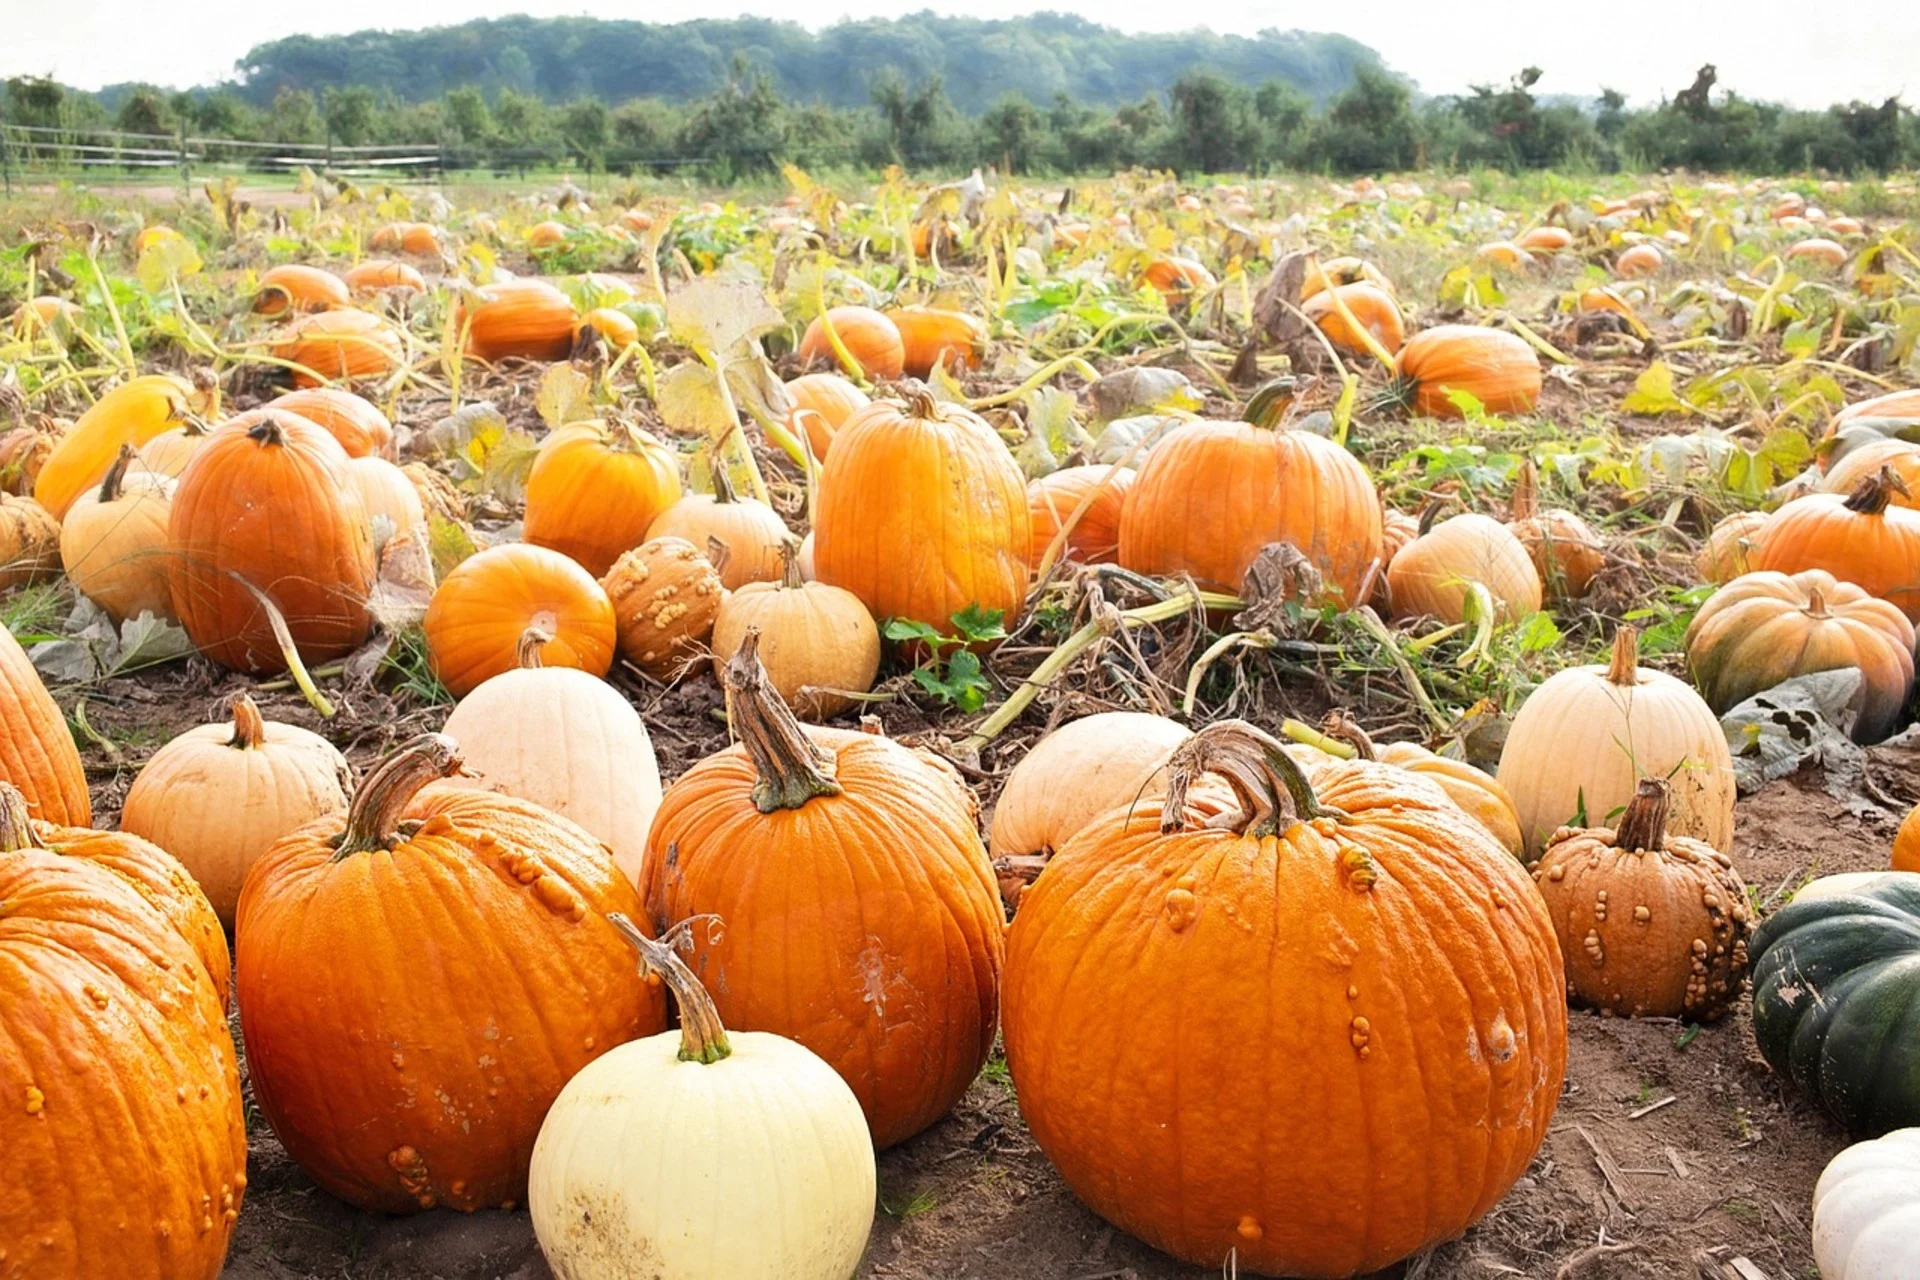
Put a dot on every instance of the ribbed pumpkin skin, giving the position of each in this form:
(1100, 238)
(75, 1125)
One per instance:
(1211, 495)
(526, 318)
(1372, 306)
(267, 500)
(1500, 370)
(1763, 628)
(814, 639)
(822, 403)
(376, 274)
(1835, 980)
(1479, 795)
(921, 513)
(294, 287)
(113, 545)
(29, 543)
(1877, 551)
(37, 754)
(594, 490)
(1189, 1016)
(1906, 843)
(398, 1094)
(481, 610)
(1053, 498)
(361, 429)
(125, 1143)
(1432, 574)
(1845, 475)
(344, 345)
(929, 336)
(869, 337)
(751, 531)
(865, 925)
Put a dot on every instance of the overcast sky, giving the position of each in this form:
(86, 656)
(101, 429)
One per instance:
(1810, 55)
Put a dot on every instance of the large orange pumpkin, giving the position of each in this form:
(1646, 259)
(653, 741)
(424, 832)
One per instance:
(529, 319)
(266, 507)
(594, 489)
(822, 403)
(929, 336)
(1371, 306)
(1845, 475)
(1860, 538)
(476, 618)
(37, 754)
(1212, 494)
(362, 430)
(125, 1139)
(922, 512)
(339, 345)
(1175, 278)
(292, 287)
(870, 338)
(1192, 1008)
(1096, 495)
(860, 910)
(394, 1092)
(1494, 366)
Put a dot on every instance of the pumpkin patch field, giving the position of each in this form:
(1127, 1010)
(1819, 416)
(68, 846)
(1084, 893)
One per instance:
(1152, 729)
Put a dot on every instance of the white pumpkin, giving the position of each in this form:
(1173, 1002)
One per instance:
(1866, 1211)
(702, 1153)
(1079, 772)
(567, 740)
(219, 796)
(1834, 886)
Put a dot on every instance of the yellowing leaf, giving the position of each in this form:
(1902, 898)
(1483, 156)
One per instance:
(1653, 392)
(565, 396)
(691, 402)
(163, 260)
(712, 314)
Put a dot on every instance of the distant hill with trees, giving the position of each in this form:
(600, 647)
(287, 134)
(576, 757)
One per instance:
(1039, 57)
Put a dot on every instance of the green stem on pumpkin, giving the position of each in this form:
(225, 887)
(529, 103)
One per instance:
(703, 1039)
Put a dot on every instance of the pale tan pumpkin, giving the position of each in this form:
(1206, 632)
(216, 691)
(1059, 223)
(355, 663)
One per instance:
(1435, 574)
(388, 494)
(818, 643)
(1081, 771)
(1726, 553)
(750, 530)
(113, 543)
(29, 543)
(219, 796)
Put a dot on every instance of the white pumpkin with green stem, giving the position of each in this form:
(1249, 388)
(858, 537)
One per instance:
(702, 1154)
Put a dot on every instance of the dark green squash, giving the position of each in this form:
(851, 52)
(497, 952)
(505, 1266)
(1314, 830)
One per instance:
(1836, 1001)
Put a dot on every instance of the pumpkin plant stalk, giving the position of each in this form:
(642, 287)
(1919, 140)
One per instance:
(1302, 732)
(1644, 825)
(791, 769)
(373, 819)
(1343, 730)
(703, 1038)
(1272, 791)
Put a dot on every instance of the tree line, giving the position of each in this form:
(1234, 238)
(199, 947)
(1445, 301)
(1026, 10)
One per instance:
(1203, 122)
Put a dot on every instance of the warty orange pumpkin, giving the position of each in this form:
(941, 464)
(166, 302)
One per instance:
(1144, 956)
(1085, 501)
(123, 1095)
(398, 1095)
(666, 597)
(482, 609)
(861, 916)
(922, 512)
(1495, 367)
(266, 507)
(869, 337)
(595, 488)
(1860, 538)
(528, 319)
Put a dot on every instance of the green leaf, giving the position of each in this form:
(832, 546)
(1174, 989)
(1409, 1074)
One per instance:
(1470, 406)
(967, 686)
(976, 624)
(1802, 339)
(165, 259)
(1537, 632)
(1653, 392)
(908, 629)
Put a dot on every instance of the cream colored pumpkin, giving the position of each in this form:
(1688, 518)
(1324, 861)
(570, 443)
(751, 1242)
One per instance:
(1081, 771)
(388, 494)
(219, 796)
(564, 739)
(815, 640)
(1582, 741)
(113, 542)
(1433, 576)
(702, 1153)
(1866, 1211)
(1834, 886)
(169, 452)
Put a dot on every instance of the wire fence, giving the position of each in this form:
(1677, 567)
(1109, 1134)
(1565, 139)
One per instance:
(40, 153)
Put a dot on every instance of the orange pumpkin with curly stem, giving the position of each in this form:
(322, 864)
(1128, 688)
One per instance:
(397, 1095)
(292, 287)
(1495, 367)
(37, 754)
(1651, 925)
(344, 345)
(362, 430)
(478, 614)
(1211, 495)
(528, 319)
(1845, 475)
(266, 508)
(1092, 497)
(123, 1096)
(1860, 538)
(595, 488)
(1373, 308)
(861, 914)
(376, 275)
(1350, 956)
(922, 512)
(870, 338)
(930, 336)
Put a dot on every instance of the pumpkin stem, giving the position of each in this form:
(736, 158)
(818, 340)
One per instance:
(1816, 603)
(1623, 668)
(532, 641)
(1340, 725)
(116, 477)
(790, 563)
(373, 819)
(1266, 406)
(920, 401)
(268, 431)
(1273, 792)
(249, 730)
(791, 769)
(1874, 493)
(722, 483)
(1643, 827)
(1430, 514)
(16, 823)
(702, 1037)
(1526, 494)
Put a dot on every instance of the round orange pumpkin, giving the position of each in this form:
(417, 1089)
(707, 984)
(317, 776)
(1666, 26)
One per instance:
(1211, 495)
(1566, 552)
(361, 429)
(1860, 538)
(1176, 278)
(1094, 494)
(822, 403)
(528, 319)
(397, 1094)
(616, 328)
(1857, 464)
(1372, 307)
(930, 336)
(860, 910)
(419, 238)
(1495, 367)
(870, 338)
(594, 489)
(1545, 240)
(266, 507)
(377, 275)
(37, 755)
(1906, 843)
(1640, 260)
(1339, 271)
(742, 536)
(921, 513)
(1352, 956)
(479, 613)
(1828, 253)
(339, 345)
(292, 287)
